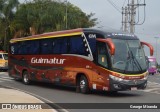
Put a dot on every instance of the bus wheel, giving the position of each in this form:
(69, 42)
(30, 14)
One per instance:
(83, 84)
(26, 78)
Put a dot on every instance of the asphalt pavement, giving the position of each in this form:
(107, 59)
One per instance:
(68, 95)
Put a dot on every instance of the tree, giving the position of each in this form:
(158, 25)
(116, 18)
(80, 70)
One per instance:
(7, 11)
(41, 16)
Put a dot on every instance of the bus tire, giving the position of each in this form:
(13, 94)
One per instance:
(25, 78)
(83, 85)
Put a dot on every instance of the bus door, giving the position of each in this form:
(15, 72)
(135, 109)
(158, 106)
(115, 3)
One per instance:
(100, 80)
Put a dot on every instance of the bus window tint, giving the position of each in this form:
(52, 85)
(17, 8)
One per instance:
(22, 48)
(59, 46)
(77, 46)
(26, 47)
(46, 46)
(14, 48)
(63, 43)
(32, 47)
(92, 44)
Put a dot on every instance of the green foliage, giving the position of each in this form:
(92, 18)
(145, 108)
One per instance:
(7, 13)
(39, 16)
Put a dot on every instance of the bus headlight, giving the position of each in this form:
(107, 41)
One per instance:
(117, 78)
(145, 77)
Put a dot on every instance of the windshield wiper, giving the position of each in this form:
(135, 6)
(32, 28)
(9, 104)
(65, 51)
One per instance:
(135, 61)
(132, 59)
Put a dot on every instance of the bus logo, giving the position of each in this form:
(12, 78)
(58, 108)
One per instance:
(47, 61)
(91, 36)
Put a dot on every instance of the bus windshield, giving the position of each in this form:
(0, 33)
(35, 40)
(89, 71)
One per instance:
(5, 56)
(129, 56)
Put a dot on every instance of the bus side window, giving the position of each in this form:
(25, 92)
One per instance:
(26, 48)
(35, 47)
(22, 48)
(63, 46)
(102, 54)
(60, 46)
(77, 46)
(14, 48)
(46, 46)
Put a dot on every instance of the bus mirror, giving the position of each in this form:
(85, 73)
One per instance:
(109, 42)
(150, 47)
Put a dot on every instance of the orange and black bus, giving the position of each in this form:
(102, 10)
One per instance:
(88, 59)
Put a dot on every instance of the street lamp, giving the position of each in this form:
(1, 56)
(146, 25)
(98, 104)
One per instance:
(156, 45)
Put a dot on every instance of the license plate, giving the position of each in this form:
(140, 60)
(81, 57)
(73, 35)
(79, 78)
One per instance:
(133, 88)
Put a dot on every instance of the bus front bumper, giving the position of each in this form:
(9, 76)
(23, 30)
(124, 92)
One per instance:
(122, 85)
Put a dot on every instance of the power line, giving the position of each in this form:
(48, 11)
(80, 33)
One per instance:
(129, 12)
(124, 3)
(114, 5)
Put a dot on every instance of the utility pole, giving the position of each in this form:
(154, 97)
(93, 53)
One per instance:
(126, 19)
(132, 22)
(122, 19)
(129, 15)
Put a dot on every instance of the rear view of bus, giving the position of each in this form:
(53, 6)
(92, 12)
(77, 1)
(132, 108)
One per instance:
(152, 65)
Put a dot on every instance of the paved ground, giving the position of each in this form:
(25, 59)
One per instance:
(68, 95)
(153, 84)
(17, 100)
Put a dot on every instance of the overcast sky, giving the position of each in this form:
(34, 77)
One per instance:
(110, 18)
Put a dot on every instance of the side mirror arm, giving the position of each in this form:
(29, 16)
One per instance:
(150, 47)
(109, 42)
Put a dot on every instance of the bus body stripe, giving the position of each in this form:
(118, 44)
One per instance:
(43, 37)
(128, 75)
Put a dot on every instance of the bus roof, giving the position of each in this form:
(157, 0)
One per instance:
(64, 33)
(111, 33)
(78, 31)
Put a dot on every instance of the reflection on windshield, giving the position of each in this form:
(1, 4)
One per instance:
(129, 56)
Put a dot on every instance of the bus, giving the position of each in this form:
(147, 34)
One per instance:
(152, 65)
(84, 58)
(3, 61)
